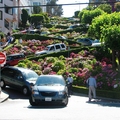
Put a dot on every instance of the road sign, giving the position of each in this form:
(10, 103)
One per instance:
(2, 58)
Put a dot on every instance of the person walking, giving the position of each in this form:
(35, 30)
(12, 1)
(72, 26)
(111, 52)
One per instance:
(91, 81)
(70, 82)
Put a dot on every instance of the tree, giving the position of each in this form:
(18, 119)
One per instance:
(37, 19)
(76, 13)
(117, 6)
(37, 9)
(24, 17)
(88, 16)
(105, 7)
(106, 28)
(53, 9)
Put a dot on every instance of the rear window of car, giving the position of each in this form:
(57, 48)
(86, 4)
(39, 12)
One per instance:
(15, 57)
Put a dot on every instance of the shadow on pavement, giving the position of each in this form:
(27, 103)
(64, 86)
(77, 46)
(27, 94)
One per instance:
(101, 101)
(15, 94)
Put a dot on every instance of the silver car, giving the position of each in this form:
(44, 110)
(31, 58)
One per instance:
(49, 89)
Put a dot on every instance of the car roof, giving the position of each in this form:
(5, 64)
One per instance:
(18, 68)
(55, 44)
(15, 54)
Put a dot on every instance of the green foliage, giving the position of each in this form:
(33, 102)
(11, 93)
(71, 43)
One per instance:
(105, 7)
(58, 65)
(117, 6)
(111, 36)
(73, 70)
(24, 17)
(51, 59)
(36, 19)
(35, 67)
(21, 64)
(102, 22)
(88, 16)
(53, 9)
(37, 9)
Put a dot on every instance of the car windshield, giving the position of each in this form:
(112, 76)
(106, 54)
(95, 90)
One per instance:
(48, 80)
(31, 75)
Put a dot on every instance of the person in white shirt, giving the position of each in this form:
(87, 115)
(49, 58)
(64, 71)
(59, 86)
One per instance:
(70, 82)
(92, 87)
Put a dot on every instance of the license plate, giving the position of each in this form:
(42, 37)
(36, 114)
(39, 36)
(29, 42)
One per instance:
(48, 99)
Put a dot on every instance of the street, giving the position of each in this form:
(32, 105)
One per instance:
(17, 107)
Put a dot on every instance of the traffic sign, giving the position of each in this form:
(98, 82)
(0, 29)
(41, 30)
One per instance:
(2, 58)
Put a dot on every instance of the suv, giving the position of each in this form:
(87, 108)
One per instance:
(19, 78)
(13, 59)
(52, 48)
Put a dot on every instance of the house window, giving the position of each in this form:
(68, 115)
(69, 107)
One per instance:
(0, 15)
(1, 1)
(8, 10)
(6, 24)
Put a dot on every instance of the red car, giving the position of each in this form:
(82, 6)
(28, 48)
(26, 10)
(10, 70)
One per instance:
(13, 59)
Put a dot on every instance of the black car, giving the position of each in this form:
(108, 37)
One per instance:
(19, 78)
(49, 89)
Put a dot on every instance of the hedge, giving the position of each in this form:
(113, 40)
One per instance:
(100, 93)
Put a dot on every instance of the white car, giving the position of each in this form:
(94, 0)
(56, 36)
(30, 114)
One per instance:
(52, 48)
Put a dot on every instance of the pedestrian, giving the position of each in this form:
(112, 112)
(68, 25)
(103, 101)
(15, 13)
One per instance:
(9, 38)
(20, 40)
(91, 81)
(69, 82)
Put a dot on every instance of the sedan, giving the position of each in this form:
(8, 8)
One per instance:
(87, 41)
(49, 89)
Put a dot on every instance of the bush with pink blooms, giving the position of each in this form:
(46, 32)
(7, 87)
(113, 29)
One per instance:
(80, 67)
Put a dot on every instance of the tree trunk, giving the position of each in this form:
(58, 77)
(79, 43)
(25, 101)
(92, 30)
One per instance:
(114, 59)
(119, 60)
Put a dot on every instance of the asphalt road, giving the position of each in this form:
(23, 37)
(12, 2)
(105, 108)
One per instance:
(17, 107)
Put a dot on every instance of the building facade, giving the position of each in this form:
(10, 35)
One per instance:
(10, 12)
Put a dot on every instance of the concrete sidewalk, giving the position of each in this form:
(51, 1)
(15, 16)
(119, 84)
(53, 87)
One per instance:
(3, 96)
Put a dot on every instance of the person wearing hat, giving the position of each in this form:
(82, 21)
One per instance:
(70, 82)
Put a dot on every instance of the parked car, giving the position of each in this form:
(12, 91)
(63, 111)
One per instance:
(52, 48)
(85, 41)
(13, 59)
(73, 26)
(19, 78)
(61, 37)
(88, 41)
(49, 89)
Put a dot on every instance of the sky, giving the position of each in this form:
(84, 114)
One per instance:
(68, 10)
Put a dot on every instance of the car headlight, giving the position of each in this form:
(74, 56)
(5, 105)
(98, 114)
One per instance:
(61, 92)
(35, 92)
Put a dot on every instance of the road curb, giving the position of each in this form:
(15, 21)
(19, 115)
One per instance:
(3, 96)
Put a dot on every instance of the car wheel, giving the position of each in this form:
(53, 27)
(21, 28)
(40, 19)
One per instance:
(25, 91)
(65, 102)
(31, 102)
(3, 84)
